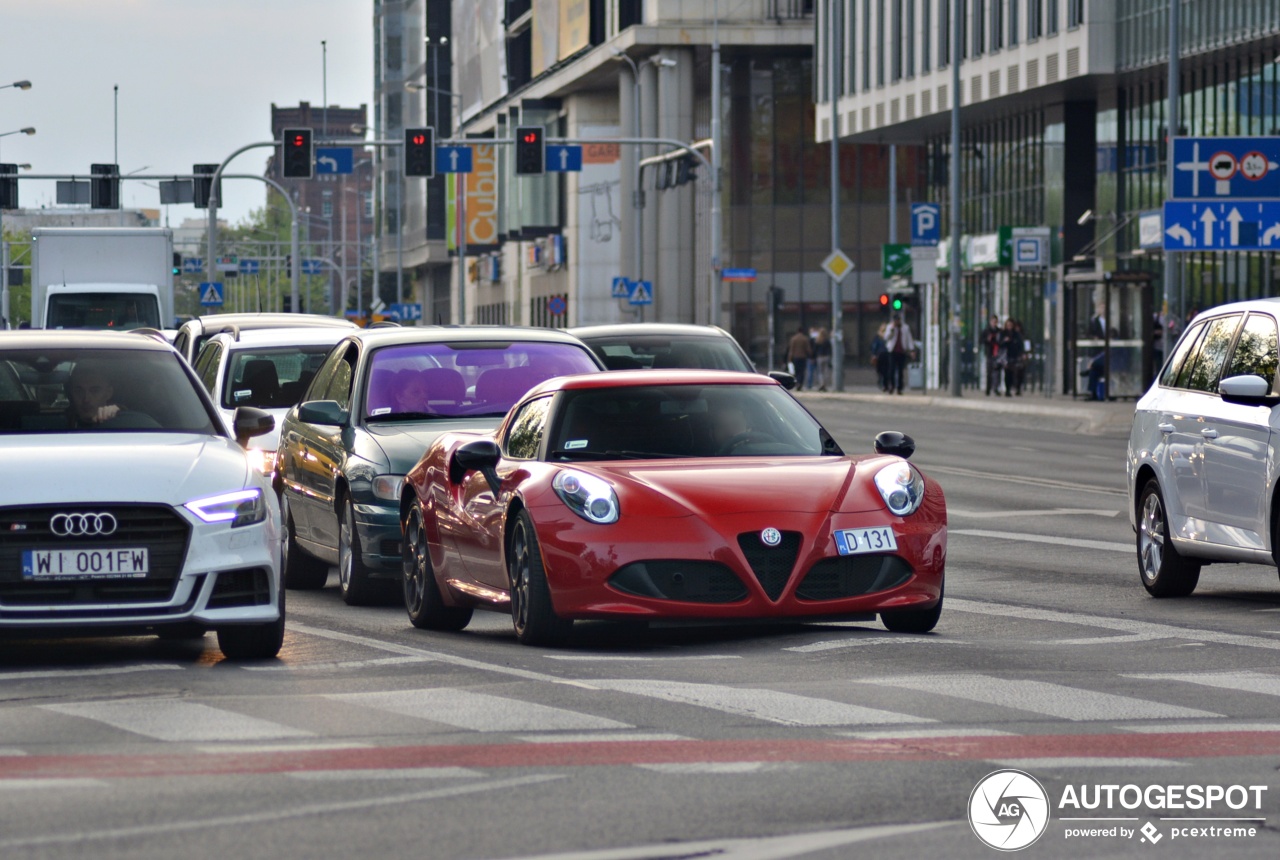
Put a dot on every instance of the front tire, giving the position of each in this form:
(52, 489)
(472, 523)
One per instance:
(532, 614)
(253, 641)
(422, 600)
(1164, 572)
(914, 620)
(301, 571)
(358, 588)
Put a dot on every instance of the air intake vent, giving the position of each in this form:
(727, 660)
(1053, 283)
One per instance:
(771, 564)
(852, 575)
(1033, 73)
(893, 110)
(911, 106)
(1073, 62)
(975, 89)
(880, 115)
(1011, 80)
(926, 102)
(942, 97)
(1051, 69)
(993, 84)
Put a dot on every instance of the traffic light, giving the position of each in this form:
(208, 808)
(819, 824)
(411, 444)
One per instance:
(288, 265)
(177, 263)
(897, 303)
(8, 186)
(201, 186)
(104, 187)
(531, 150)
(420, 152)
(686, 169)
(884, 301)
(297, 153)
(775, 299)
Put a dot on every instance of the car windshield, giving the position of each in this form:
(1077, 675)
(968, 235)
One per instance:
(101, 390)
(446, 380)
(103, 310)
(273, 378)
(636, 352)
(637, 422)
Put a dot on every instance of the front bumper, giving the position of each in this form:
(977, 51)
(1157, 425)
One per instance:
(378, 532)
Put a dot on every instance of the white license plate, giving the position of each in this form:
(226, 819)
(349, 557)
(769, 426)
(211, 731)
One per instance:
(858, 541)
(84, 563)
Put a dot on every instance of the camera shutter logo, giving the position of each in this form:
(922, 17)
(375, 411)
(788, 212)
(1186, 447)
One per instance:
(82, 525)
(1008, 810)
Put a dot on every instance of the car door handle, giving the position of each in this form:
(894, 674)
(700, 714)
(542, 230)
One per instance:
(1165, 428)
(1209, 433)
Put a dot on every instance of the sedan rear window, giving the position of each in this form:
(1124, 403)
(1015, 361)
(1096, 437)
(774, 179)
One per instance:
(656, 352)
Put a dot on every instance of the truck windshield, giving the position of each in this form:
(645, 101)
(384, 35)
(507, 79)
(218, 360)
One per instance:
(103, 310)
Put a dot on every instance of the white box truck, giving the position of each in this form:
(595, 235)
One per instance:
(102, 277)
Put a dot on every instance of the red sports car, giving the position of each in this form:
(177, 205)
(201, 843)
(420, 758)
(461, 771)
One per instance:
(661, 495)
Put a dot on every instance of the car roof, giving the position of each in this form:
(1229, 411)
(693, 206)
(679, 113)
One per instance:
(650, 329)
(222, 322)
(82, 339)
(1269, 304)
(651, 378)
(304, 336)
(467, 334)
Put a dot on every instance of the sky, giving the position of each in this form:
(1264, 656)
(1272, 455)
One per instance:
(196, 79)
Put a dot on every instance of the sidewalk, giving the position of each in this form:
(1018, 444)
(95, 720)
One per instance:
(1071, 415)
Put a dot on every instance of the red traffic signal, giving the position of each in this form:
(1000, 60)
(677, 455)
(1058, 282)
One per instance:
(298, 155)
(531, 153)
(420, 152)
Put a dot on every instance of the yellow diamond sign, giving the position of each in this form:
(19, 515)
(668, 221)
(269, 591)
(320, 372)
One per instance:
(837, 265)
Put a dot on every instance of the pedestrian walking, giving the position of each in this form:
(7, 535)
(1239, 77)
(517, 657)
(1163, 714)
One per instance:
(822, 357)
(991, 350)
(899, 345)
(799, 351)
(1011, 350)
(880, 359)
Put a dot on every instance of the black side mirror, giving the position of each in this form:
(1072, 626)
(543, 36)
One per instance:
(482, 456)
(322, 412)
(786, 380)
(249, 422)
(893, 442)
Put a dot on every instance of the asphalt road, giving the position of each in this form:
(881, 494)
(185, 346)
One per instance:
(370, 738)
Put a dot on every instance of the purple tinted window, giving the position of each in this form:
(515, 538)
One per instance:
(429, 380)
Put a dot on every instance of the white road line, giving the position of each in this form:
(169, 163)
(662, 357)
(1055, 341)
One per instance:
(36, 783)
(1039, 697)
(386, 773)
(786, 709)
(730, 768)
(12, 751)
(1240, 682)
(1107, 546)
(342, 664)
(1103, 640)
(177, 720)
(478, 712)
(1082, 619)
(611, 737)
(87, 673)
(258, 749)
(271, 815)
(1070, 761)
(1013, 515)
(1201, 728)
(835, 644)
(1016, 479)
(924, 734)
(620, 658)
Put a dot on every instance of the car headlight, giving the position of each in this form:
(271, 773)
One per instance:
(387, 487)
(262, 459)
(241, 508)
(587, 496)
(901, 487)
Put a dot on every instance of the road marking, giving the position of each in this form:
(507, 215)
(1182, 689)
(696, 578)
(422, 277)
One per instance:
(1039, 697)
(1016, 479)
(611, 737)
(1068, 761)
(274, 814)
(29, 784)
(698, 768)
(388, 773)
(258, 749)
(11, 751)
(786, 709)
(1109, 546)
(1102, 640)
(619, 658)
(477, 712)
(87, 673)
(834, 644)
(1240, 682)
(917, 734)
(1013, 515)
(1200, 728)
(342, 664)
(178, 720)
(1125, 625)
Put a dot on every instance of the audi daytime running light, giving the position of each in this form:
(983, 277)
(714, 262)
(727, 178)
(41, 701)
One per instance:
(901, 487)
(241, 508)
(587, 496)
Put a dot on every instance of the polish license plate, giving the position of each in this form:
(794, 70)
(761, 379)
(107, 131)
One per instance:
(85, 563)
(859, 541)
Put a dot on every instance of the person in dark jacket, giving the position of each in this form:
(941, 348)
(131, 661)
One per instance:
(1011, 350)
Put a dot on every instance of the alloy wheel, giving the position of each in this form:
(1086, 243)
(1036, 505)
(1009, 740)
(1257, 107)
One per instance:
(1151, 537)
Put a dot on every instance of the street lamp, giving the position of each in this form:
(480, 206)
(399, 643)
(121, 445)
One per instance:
(27, 131)
(22, 85)
(661, 62)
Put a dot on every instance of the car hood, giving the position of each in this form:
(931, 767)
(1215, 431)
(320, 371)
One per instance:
(405, 443)
(707, 488)
(166, 468)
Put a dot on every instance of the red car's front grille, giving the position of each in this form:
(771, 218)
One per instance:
(852, 575)
(690, 581)
(772, 565)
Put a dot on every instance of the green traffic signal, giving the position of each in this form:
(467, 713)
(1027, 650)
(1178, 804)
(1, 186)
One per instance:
(897, 303)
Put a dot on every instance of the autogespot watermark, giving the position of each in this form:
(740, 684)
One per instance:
(1009, 810)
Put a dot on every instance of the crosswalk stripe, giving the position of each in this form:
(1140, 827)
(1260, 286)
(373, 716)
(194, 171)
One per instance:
(1243, 682)
(787, 709)
(177, 720)
(1201, 728)
(478, 712)
(1054, 700)
(1082, 761)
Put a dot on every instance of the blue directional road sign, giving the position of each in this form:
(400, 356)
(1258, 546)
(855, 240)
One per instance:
(641, 293)
(211, 294)
(737, 274)
(1215, 168)
(312, 267)
(191, 265)
(453, 159)
(405, 312)
(334, 159)
(249, 267)
(1233, 226)
(926, 224)
(563, 158)
(621, 288)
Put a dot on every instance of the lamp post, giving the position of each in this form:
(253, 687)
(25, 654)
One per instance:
(27, 131)
(22, 85)
(637, 203)
(461, 193)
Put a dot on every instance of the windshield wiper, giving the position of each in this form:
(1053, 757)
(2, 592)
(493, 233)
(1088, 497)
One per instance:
(401, 416)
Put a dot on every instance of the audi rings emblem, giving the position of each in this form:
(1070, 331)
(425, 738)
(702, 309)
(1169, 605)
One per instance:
(771, 536)
(82, 525)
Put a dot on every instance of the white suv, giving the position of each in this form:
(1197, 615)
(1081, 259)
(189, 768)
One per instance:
(1202, 462)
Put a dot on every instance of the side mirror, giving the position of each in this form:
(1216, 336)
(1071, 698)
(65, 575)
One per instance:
(249, 422)
(893, 442)
(1247, 390)
(786, 380)
(481, 456)
(322, 412)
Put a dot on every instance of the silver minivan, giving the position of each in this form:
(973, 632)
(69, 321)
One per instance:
(1202, 465)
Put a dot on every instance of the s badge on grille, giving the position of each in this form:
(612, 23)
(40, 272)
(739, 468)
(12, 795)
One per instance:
(771, 536)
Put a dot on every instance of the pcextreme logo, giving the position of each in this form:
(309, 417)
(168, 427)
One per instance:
(1008, 810)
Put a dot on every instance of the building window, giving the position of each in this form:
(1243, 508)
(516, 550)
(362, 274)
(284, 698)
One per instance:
(394, 117)
(866, 45)
(880, 42)
(944, 32)
(1035, 19)
(910, 45)
(962, 16)
(1075, 13)
(895, 51)
(1052, 18)
(979, 27)
(849, 47)
(926, 26)
(997, 24)
(394, 54)
(1013, 23)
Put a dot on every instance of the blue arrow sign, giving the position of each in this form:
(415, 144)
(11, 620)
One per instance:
(453, 159)
(249, 267)
(1235, 226)
(563, 158)
(641, 293)
(621, 288)
(334, 159)
(1215, 168)
(406, 311)
(312, 267)
(926, 224)
(737, 274)
(191, 265)
(211, 294)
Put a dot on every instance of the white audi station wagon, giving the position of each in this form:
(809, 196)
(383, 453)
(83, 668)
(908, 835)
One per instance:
(1202, 462)
(128, 505)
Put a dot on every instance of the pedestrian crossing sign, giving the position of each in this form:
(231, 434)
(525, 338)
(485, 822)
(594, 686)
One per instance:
(211, 294)
(641, 293)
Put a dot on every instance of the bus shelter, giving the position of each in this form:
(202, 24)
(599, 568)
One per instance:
(1108, 319)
